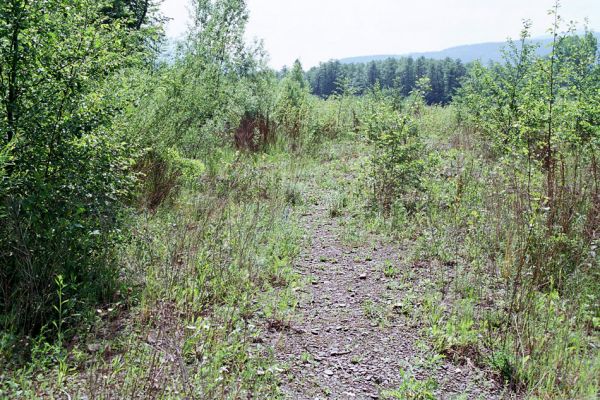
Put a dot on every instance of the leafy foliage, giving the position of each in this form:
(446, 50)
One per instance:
(66, 173)
(396, 161)
(516, 197)
(292, 105)
(174, 182)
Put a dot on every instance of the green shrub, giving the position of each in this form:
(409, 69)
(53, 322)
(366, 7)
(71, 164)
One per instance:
(161, 176)
(292, 107)
(65, 171)
(396, 162)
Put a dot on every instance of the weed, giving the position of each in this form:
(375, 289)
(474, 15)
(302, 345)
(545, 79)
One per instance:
(377, 313)
(337, 204)
(389, 269)
(306, 358)
(412, 389)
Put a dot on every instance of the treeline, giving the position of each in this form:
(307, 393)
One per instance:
(400, 74)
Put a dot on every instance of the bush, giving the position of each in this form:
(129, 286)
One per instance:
(396, 162)
(292, 107)
(162, 175)
(65, 170)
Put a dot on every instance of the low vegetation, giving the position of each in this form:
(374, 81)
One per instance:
(506, 202)
(149, 209)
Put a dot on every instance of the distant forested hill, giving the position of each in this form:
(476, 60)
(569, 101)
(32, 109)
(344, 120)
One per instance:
(484, 52)
(444, 69)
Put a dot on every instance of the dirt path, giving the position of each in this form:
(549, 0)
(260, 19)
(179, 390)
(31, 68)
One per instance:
(351, 339)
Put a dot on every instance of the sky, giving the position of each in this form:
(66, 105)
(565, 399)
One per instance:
(320, 30)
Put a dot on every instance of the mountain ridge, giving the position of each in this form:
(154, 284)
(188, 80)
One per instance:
(484, 52)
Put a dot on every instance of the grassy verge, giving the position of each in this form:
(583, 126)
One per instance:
(492, 298)
(201, 277)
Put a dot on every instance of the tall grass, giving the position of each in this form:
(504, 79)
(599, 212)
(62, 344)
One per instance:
(205, 272)
(528, 296)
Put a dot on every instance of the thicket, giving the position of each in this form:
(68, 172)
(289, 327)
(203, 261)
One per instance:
(540, 118)
(99, 137)
(507, 202)
(65, 168)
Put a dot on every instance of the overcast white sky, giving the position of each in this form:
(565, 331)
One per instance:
(319, 30)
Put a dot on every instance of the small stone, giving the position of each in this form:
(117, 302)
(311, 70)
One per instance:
(339, 352)
(93, 347)
(362, 276)
(328, 372)
(151, 337)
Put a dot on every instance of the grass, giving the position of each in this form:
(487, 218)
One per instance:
(412, 389)
(540, 338)
(390, 270)
(379, 314)
(202, 278)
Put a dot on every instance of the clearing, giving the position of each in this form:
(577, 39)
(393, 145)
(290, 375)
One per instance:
(354, 335)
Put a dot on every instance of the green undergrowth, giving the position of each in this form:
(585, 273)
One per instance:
(540, 338)
(479, 302)
(202, 276)
(521, 304)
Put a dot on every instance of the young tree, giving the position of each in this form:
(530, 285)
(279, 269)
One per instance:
(65, 171)
(292, 104)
